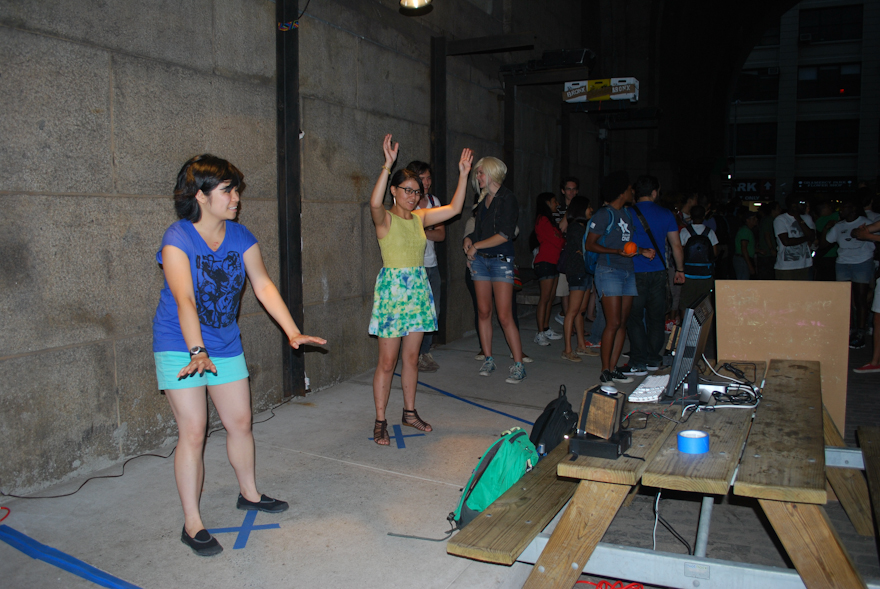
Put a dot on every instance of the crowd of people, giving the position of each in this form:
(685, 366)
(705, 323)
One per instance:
(628, 266)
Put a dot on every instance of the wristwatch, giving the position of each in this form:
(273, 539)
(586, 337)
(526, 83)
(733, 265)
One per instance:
(197, 350)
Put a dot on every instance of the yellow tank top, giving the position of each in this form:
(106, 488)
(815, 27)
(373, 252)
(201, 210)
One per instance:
(404, 244)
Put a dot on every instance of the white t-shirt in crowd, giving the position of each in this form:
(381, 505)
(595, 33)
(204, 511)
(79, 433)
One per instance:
(797, 256)
(430, 255)
(699, 229)
(850, 250)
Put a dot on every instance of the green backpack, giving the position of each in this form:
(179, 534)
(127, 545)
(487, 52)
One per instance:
(501, 465)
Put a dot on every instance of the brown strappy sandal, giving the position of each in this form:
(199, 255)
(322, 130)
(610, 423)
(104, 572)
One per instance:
(416, 421)
(380, 433)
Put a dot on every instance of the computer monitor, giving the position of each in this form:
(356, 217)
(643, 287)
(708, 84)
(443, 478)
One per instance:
(695, 327)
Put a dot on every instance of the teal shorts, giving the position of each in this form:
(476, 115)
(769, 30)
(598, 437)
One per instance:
(169, 364)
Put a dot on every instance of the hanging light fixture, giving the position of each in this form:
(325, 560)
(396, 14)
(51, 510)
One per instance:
(414, 4)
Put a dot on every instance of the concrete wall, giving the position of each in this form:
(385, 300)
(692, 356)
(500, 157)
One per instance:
(103, 102)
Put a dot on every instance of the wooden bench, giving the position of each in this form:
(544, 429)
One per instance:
(869, 441)
(783, 466)
(501, 532)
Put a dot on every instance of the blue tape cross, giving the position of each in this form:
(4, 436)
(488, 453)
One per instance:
(244, 531)
(63, 561)
(399, 435)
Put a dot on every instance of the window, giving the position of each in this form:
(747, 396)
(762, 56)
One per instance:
(759, 84)
(839, 23)
(753, 139)
(829, 81)
(827, 137)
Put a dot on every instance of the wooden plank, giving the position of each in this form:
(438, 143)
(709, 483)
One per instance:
(784, 459)
(710, 473)
(812, 545)
(505, 528)
(581, 528)
(869, 441)
(626, 470)
(849, 484)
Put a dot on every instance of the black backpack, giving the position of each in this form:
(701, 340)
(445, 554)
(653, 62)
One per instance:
(557, 420)
(699, 255)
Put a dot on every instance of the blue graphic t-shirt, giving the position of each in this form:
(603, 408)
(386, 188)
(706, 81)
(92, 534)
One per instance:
(218, 278)
(620, 223)
(661, 221)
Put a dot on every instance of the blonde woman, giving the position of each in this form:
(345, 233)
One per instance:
(490, 251)
(403, 304)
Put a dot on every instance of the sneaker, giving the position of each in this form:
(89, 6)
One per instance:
(628, 370)
(624, 354)
(427, 364)
(571, 357)
(652, 367)
(265, 503)
(517, 373)
(867, 369)
(480, 356)
(587, 351)
(541, 339)
(488, 366)
(550, 334)
(857, 342)
(618, 376)
(606, 377)
(592, 346)
(526, 359)
(560, 318)
(204, 544)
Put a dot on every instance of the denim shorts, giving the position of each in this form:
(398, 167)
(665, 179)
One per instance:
(614, 282)
(492, 269)
(863, 273)
(584, 282)
(169, 364)
(545, 271)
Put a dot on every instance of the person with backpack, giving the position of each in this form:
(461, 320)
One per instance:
(609, 231)
(700, 246)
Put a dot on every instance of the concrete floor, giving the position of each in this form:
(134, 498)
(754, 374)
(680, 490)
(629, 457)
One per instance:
(347, 494)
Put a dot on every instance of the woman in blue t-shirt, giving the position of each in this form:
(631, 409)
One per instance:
(206, 256)
(608, 233)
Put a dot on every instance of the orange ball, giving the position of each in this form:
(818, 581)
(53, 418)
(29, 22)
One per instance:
(630, 248)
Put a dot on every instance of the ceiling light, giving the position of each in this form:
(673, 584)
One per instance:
(414, 4)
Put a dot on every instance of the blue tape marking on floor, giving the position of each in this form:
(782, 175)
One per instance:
(398, 436)
(244, 531)
(472, 403)
(63, 561)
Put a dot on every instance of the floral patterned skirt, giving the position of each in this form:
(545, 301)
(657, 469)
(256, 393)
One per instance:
(402, 303)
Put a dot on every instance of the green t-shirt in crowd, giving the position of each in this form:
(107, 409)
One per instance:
(746, 234)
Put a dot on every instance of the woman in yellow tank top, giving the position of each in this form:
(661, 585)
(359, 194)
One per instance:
(403, 305)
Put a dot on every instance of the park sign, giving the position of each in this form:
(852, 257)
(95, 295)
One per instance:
(754, 188)
(602, 89)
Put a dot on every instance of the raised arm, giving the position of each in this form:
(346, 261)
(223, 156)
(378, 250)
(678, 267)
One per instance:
(440, 214)
(178, 273)
(270, 298)
(380, 216)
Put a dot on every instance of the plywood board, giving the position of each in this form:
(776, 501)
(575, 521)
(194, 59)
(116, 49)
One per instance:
(788, 319)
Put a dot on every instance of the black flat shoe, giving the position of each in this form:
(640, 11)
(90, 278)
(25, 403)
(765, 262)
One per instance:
(204, 544)
(265, 503)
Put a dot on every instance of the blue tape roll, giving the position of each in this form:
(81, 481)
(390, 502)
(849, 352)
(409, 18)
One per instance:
(693, 442)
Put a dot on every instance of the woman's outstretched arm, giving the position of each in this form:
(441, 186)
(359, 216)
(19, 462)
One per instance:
(270, 298)
(377, 207)
(444, 213)
(175, 265)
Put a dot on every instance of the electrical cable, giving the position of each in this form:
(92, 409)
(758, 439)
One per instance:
(116, 476)
(668, 526)
(304, 10)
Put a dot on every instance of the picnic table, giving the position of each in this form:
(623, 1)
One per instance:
(774, 453)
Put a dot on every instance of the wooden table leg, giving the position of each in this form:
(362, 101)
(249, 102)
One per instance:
(581, 528)
(812, 544)
(849, 484)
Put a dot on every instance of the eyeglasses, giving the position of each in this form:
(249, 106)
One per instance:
(409, 191)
